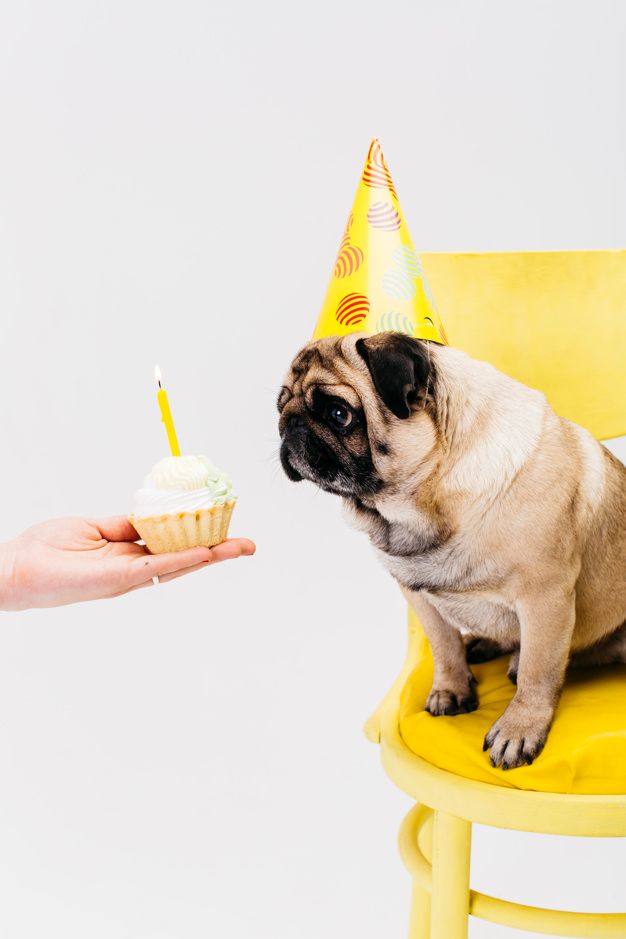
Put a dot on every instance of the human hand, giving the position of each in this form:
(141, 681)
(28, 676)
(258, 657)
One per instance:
(68, 560)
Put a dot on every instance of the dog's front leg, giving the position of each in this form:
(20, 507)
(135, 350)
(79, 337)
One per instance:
(453, 690)
(546, 626)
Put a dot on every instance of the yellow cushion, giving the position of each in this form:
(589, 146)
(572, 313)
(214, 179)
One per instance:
(586, 749)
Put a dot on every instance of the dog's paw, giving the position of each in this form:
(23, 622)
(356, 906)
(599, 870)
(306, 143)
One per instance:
(480, 649)
(441, 701)
(518, 737)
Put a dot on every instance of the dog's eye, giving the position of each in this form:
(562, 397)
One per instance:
(341, 416)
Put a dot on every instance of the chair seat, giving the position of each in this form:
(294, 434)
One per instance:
(586, 749)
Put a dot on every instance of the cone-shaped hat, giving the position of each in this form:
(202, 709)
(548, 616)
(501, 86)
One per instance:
(378, 283)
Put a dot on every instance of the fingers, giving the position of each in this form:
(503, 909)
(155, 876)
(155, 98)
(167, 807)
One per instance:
(227, 551)
(232, 548)
(188, 570)
(144, 568)
(176, 563)
(117, 528)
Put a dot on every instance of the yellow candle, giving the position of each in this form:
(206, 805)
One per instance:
(166, 414)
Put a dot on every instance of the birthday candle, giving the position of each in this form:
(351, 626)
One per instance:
(166, 414)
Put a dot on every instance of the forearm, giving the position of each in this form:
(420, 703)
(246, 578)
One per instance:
(7, 576)
(70, 560)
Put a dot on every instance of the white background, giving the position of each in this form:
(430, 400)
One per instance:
(174, 180)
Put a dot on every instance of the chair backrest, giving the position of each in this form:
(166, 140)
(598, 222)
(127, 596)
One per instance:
(554, 320)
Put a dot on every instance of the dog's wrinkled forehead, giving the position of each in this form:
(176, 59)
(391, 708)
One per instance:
(325, 363)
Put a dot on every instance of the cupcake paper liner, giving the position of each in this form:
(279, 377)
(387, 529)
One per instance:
(206, 527)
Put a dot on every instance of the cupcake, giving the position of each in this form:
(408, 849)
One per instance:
(184, 502)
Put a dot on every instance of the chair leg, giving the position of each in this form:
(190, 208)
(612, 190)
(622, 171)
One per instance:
(415, 842)
(419, 925)
(452, 839)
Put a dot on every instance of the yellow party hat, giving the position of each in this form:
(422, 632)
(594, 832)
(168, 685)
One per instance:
(378, 283)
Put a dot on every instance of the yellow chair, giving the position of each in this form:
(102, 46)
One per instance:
(556, 321)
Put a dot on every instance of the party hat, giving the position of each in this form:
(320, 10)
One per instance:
(378, 283)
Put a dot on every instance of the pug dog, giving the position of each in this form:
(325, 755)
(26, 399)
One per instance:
(503, 523)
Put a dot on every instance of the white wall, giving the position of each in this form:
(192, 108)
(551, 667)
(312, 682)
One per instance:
(174, 178)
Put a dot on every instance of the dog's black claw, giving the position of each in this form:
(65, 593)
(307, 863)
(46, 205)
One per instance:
(467, 705)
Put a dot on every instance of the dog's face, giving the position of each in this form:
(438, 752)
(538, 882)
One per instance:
(344, 410)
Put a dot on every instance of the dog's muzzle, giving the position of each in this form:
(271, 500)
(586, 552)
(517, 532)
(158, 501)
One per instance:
(292, 448)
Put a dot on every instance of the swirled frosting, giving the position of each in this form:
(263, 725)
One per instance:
(182, 484)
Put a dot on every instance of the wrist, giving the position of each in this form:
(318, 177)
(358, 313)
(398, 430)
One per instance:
(7, 576)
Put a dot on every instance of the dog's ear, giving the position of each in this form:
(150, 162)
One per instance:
(400, 367)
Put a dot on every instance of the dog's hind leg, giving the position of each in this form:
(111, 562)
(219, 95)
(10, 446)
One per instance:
(482, 649)
(511, 672)
(609, 651)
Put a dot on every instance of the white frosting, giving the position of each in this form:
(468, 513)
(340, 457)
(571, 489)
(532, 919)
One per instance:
(181, 472)
(153, 501)
(182, 484)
